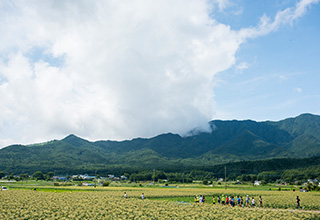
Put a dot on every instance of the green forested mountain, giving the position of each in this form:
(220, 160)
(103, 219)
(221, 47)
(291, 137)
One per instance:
(229, 141)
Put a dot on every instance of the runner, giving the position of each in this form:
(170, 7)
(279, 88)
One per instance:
(125, 195)
(213, 200)
(219, 200)
(142, 196)
(223, 200)
(253, 202)
(200, 199)
(238, 200)
(298, 202)
(241, 201)
(248, 201)
(260, 202)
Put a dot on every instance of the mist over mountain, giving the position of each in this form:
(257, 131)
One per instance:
(228, 141)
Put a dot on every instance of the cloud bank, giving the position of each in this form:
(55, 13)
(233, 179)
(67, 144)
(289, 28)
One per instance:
(114, 69)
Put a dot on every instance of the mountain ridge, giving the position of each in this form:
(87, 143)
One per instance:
(228, 141)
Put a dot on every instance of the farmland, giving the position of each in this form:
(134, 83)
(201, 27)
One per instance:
(159, 203)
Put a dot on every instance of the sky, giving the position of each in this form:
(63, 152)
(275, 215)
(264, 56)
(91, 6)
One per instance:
(117, 70)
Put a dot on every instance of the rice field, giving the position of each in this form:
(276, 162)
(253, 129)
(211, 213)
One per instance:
(159, 203)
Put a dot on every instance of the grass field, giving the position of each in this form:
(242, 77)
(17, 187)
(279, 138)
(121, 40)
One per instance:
(159, 203)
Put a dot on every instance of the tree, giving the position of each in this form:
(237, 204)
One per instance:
(160, 175)
(310, 186)
(24, 176)
(263, 182)
(2, 174)
(50, 174)
(106, 184)
(38, 175)
(232, 176)
(11, 176)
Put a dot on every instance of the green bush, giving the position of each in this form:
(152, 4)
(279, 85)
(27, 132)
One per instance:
(106, 184)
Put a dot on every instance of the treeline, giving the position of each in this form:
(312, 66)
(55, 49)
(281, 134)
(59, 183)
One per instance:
(38, 175)
(285, 169)
(296, 176)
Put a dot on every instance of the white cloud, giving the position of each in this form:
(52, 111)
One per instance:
(286, 16)
(222, 4)
(242, 66)
(130, 68)
(283, 77)
(297, 90)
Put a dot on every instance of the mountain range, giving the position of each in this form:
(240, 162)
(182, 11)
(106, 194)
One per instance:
(228, 141)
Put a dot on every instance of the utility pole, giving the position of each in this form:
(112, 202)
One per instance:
(183, 178)
(225, 177)
(154, 176)
(54, 176)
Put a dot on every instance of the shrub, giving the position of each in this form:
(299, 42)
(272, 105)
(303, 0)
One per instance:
(106, 184)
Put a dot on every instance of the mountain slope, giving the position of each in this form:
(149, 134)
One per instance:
(228, 141)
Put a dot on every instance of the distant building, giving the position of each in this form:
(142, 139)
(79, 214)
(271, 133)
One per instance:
(63, 178)
(84, 177)
(257, 183)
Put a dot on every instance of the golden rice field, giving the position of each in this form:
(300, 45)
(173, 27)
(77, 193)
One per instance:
(110, 204)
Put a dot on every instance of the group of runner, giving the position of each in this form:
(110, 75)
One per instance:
(230, 201)
(227, 200)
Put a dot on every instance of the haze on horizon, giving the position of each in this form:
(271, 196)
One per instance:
(119, 70)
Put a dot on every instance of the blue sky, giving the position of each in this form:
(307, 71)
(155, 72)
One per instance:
(283, 67)
(120, 70)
